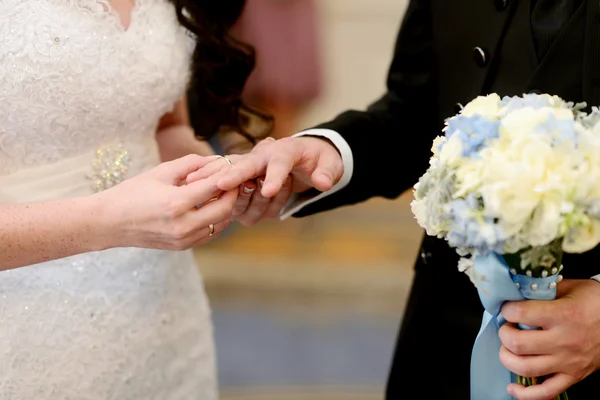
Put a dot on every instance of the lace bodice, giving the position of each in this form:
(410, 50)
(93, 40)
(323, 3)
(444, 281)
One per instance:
(122, 324)
(72, 78)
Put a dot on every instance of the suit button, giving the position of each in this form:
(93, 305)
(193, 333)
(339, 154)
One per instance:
(480, 57)
(501, 4)
(425, 256)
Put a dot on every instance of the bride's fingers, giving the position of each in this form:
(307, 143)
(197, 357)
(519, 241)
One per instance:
(213, 212)
(204, 240)
(204, 235)
(244, 197)
(200, 192)
(176, 170)
(205, 223)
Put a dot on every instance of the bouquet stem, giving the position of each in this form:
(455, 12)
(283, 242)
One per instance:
(521, 380)
(537, 262)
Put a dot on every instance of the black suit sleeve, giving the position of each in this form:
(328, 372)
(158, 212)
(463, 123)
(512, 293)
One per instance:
(391, 140)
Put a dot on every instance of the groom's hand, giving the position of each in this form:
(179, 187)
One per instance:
(567, 347)
(310, 161)
(272, 171)
(251, 206)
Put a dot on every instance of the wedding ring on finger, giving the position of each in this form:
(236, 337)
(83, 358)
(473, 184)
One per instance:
(227, 160)
(206, 202)
(211, 230)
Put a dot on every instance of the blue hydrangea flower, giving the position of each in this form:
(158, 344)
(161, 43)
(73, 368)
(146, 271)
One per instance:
(474, 132)
(532, 100)
(559, 130)
(471, 230)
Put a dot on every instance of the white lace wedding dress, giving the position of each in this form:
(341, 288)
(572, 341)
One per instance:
(80, 99)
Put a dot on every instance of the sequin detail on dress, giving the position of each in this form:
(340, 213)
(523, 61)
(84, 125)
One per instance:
(109, 168)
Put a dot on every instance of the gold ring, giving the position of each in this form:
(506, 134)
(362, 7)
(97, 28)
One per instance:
(211, 229)
(226, 159)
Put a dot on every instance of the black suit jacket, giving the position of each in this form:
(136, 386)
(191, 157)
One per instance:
(436, 66)
(449, 52)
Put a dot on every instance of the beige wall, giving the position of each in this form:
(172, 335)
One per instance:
(357, 40)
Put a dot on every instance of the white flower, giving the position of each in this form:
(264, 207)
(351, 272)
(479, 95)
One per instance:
(467, 266)
(524, 121)
(451, 153)
(560, 113)
(545, 223)
(516, 173)
(486, 106)
(438, 142)
(524, 177)
(556, 102)
(582, 238)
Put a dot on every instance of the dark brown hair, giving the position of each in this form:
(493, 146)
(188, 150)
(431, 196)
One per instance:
(220, 67)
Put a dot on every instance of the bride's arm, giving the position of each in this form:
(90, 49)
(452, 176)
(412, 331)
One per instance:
(37, 232)
(176, 137)
(149, 210)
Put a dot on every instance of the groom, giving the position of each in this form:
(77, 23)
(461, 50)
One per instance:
(448, 52)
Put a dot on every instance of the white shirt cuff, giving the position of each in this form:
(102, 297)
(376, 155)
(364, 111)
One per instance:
(295, 204)
(596, 278)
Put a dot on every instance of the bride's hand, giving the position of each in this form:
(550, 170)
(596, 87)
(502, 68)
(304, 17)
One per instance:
(251, 206)
(153, 209)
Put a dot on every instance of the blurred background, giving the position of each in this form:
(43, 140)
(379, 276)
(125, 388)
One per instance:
(309, 308)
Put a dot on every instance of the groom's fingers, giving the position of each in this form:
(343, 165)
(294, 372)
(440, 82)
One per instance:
(328, 171)
(244, 197)
(249, 213)
(280, 200)
(549, 389)
(257, 208)
(218, 164)
(532, 312)
(528, 366)
(278, 171)
(528, 342)
(275, 159)
(248, 167)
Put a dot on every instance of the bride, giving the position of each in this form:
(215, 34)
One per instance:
(93, 302)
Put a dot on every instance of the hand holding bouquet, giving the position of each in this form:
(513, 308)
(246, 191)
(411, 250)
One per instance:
(512, 185)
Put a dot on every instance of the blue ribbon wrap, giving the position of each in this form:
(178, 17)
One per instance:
(496, 285)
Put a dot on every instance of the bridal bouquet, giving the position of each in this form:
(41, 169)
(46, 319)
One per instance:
(512, 184)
